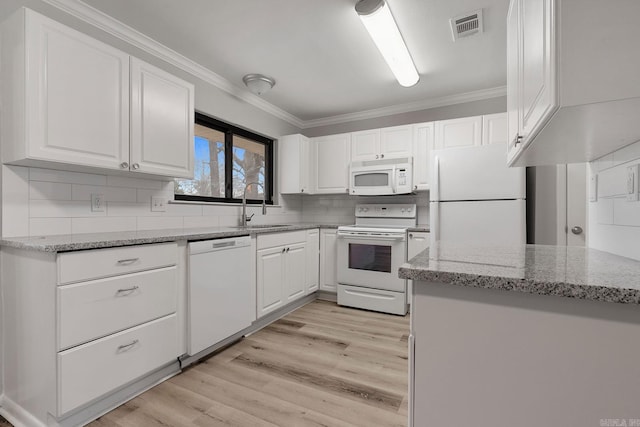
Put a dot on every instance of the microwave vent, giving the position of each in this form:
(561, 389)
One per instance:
(466, 25)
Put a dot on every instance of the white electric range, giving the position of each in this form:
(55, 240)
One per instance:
(369, 255)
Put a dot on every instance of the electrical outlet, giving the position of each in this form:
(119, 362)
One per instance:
(632, 183)
(158, 204)
(97, 202)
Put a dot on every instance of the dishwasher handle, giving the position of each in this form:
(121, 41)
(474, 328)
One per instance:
(205, 246)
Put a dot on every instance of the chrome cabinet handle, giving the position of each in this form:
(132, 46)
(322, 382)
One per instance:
(126, 347)
(127, 291)
(284, 250)
(382, 156)
(288, 249)
(411, 235)
(415, 187)
(124, 165)
(517, 140)
(576, 230)
(377, 157)
(302, 190)
(135, 166)
(127, 261)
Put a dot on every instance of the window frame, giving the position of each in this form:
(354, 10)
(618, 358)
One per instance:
(229, 131)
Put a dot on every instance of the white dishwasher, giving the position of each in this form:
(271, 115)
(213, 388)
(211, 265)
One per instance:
(220, 291)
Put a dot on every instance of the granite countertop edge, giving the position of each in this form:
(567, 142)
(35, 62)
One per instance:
(618, 291)
(66, 243)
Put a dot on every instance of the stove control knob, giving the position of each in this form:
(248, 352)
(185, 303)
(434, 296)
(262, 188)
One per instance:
(402, 210)
(366, 209)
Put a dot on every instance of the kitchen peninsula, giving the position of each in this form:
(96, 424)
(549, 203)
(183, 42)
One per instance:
(530, 336)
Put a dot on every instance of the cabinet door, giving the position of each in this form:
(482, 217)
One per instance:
(270, 279)
(418, 241)
(513, 76)
(328, 264)
(332, 158)
(162, 121)
(537, 76)
(313, 260)
(295, 272)
(423, 135)
(365, 145)
(293, 164)
(396, 141)
(494, 129)
(77, 91)
(463, 132)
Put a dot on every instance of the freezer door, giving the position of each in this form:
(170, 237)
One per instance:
(475, 173)
(495, 222)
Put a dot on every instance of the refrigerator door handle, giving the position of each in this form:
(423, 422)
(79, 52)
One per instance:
(435, 189)
(435, 222)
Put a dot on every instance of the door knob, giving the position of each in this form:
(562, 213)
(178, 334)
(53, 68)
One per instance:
(576, 230)
(124, 165)
(135, 166)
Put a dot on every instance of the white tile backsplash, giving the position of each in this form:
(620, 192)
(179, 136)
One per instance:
(614, 223)
(40, 201)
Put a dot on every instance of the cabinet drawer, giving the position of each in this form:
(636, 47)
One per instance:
(91, 310)
(280, 239)
(94, 264)
(91, 370)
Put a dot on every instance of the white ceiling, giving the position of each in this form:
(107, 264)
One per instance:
(320, 54)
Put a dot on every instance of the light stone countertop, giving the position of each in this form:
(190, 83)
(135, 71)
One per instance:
(573, 272)
(75, 242)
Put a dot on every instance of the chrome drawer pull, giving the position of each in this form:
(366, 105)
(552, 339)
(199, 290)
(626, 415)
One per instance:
(126, 347)
(127, 261)
(128, 291)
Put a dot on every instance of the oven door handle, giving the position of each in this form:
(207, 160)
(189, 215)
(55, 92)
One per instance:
(347, 235)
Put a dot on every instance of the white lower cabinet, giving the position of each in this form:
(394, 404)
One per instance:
(88, 371)
(417, 242)
(281, 269)
(313, 260)
(328, 260)
(75, 334)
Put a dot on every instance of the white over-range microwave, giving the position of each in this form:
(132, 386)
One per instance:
(381, 177)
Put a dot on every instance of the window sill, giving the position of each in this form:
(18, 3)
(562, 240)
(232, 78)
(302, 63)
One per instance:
(195, 202)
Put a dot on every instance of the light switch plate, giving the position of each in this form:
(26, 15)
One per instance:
(593, 188)
(97, 202)
(632, 183)
(158, 204)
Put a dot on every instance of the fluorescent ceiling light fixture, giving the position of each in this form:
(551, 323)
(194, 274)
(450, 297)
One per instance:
(377, 19)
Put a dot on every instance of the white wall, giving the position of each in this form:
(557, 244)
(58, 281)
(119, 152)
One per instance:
(614, 223)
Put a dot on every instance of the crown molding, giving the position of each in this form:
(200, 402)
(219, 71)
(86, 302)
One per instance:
(425, 104)
(101, 20)
(112, 26)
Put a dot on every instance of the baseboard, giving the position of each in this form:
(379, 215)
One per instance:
(255, 327)
(328, 296)
(117, 398)
(17, 415)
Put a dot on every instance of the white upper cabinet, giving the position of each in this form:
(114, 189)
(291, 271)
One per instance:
(162, 117)
(423, 142)
(331, 158)
(494, 129)
(65, 95)
(294, 165)
(382, 143)
(396, 141)
(572, 94)
(365, 145)
(463, 132)
(70, 100)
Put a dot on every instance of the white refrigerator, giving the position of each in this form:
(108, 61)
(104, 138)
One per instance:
(475, 199)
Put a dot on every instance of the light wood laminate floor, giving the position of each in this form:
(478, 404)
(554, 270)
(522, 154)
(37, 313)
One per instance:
(322, 365)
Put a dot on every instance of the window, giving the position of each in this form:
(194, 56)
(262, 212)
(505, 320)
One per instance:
(228, 158)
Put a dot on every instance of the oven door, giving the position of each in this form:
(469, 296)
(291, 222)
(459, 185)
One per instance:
(371, 261)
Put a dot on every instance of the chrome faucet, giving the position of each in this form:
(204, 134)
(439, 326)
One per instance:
(245, 218)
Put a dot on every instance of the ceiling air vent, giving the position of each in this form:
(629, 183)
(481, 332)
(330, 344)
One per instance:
(466, 25)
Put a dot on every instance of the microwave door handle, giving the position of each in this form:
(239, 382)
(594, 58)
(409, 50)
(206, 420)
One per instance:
(393, 179)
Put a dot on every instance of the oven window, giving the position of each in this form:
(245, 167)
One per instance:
(376, 179)
(370, 257)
